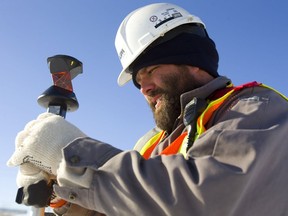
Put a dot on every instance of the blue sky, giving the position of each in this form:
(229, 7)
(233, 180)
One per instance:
(251, 38)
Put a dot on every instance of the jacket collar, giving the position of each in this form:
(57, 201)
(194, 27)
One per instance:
(204, 91)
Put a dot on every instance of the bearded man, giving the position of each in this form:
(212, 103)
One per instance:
(216, 149)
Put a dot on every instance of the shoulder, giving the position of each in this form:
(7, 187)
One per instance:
(256, 105)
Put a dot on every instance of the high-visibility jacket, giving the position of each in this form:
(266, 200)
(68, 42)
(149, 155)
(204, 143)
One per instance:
(237, 167)
(179, 145)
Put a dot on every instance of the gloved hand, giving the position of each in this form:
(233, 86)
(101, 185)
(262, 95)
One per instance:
(31, 180)
(38, 147)
(29, 174)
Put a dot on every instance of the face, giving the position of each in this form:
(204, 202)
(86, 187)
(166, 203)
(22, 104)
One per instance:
(162, 86)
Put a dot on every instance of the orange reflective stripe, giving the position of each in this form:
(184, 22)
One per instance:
(207, 113)
(175, 146)
(151, 144)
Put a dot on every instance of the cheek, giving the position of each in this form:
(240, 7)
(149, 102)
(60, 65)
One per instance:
(171, 83)
(159, 81)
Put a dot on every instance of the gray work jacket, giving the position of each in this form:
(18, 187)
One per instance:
(238, 167)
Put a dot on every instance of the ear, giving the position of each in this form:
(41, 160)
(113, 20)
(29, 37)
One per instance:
(201, 74)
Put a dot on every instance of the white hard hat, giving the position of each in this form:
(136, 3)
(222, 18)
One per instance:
(143, 26)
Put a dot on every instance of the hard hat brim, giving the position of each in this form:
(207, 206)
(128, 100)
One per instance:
(124, 77)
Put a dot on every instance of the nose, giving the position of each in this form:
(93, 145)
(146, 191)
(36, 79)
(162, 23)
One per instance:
(146, 85)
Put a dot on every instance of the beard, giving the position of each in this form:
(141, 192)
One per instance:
(170, 109)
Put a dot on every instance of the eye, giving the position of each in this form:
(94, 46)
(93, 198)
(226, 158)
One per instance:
(148, 72)
(151, 70)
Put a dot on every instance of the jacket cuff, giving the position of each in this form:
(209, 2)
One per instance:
(88, 152)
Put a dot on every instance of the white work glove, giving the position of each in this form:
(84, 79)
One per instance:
(39, 147)
(29, 174)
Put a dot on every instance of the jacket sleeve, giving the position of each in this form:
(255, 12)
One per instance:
(237, 167)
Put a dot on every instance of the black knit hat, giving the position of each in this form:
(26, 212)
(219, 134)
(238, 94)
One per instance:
(183, 49)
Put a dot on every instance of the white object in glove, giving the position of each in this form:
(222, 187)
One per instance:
(41, 142)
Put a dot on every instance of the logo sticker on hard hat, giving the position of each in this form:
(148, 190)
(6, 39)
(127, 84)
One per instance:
(153, 18)
(167, 15)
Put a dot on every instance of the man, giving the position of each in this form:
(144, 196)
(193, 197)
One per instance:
(216, 149)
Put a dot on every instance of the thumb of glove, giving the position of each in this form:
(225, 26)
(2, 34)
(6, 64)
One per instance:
(41, 141)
